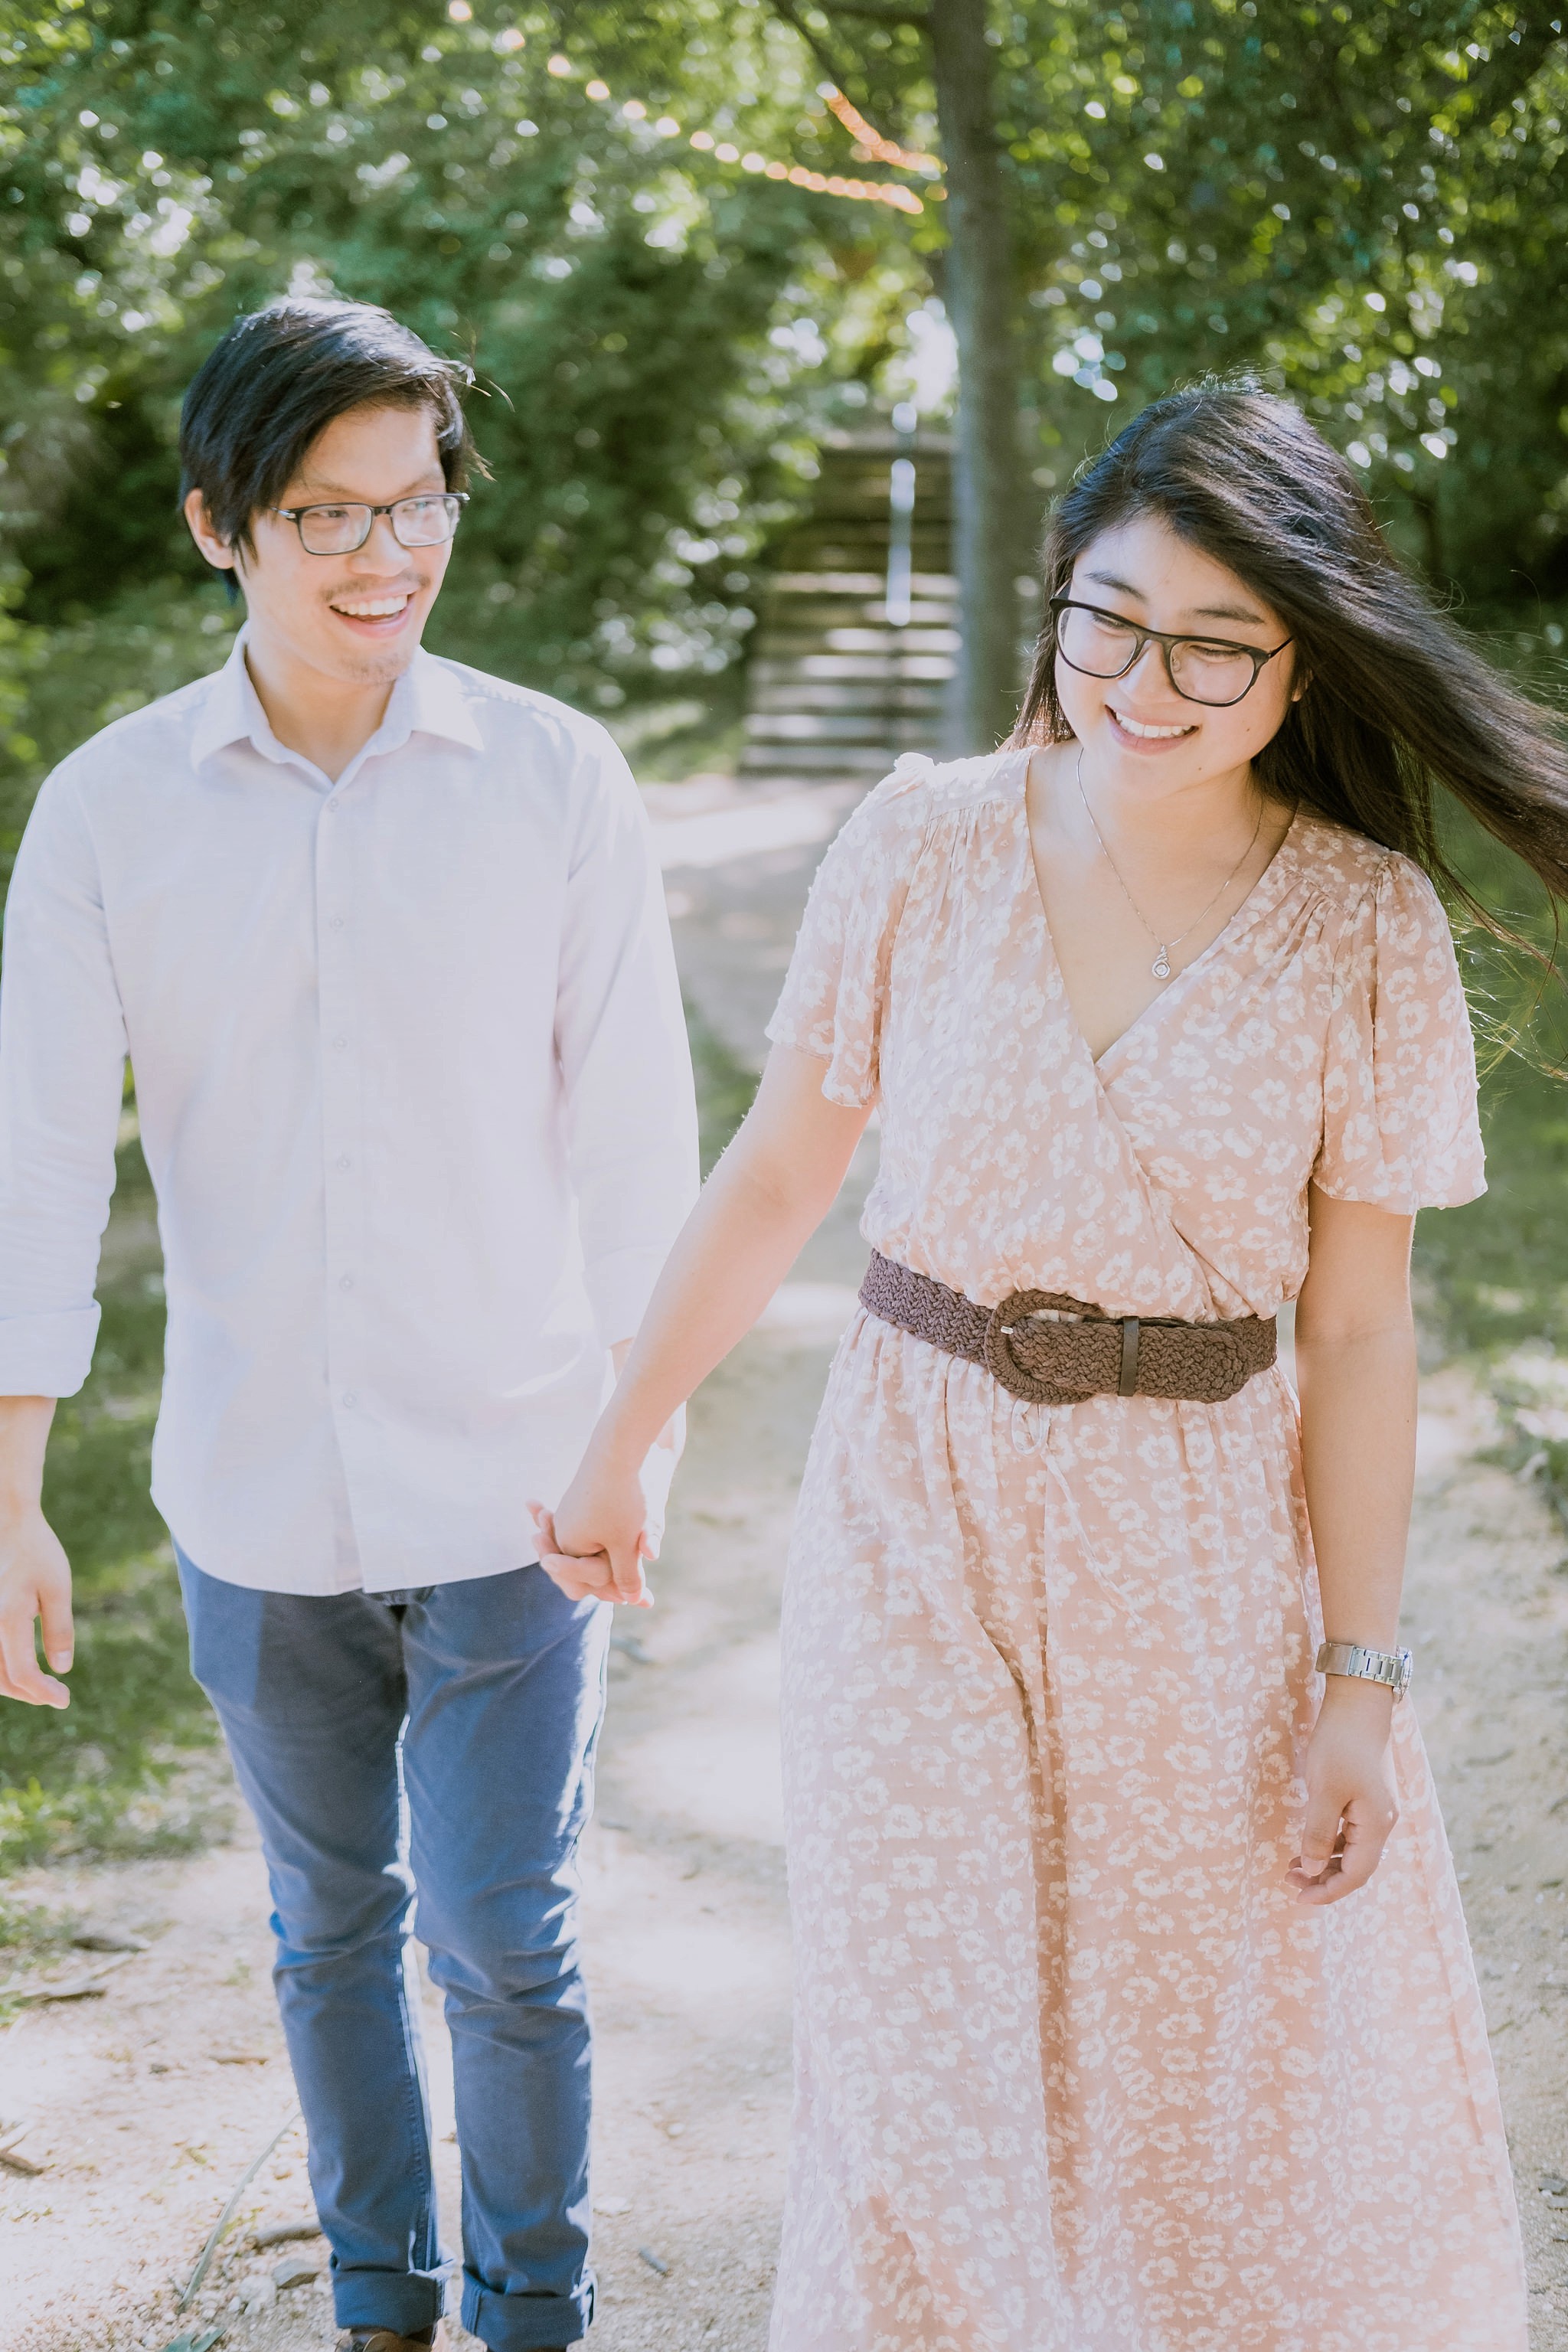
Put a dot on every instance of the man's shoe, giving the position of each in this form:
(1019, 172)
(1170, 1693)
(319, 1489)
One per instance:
(387, 2339)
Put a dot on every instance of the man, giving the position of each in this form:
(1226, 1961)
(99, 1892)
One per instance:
(386, 944)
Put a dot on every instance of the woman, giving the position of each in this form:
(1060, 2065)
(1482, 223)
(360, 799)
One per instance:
(1129, 2020)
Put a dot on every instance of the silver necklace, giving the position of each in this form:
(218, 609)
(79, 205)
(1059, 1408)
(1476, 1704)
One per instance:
(1161, 967)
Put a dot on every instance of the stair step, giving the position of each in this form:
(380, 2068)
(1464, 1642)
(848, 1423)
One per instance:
(916, 641)
(835, 688)
(871, 670)
(895, 693)
(825, 759)
(813, 727)
(860, 583)
(832, 634)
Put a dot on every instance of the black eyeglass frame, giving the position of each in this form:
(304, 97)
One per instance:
(1166, 641)
(296, 515)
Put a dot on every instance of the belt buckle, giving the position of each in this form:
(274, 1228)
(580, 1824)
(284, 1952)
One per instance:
(1031, 1387)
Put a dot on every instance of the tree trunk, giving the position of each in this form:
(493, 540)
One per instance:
(978, 287)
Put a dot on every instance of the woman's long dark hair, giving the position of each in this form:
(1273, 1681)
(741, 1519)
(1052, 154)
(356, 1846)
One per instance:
(1399, 700)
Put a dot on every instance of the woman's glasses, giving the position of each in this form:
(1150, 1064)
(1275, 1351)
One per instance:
(339, 529)
(1202, 669)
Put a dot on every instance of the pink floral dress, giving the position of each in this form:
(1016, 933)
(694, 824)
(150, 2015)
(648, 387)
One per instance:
(1074, 2072)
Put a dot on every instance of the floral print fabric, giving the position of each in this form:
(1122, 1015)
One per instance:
(1074, 2072)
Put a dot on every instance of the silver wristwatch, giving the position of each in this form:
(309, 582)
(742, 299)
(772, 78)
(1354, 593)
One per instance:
(1392, 1668)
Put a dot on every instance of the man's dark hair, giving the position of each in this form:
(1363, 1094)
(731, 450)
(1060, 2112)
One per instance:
(279, 377)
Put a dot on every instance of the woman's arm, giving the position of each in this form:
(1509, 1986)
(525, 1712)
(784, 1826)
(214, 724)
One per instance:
(1355, 1364)
(770, 1191)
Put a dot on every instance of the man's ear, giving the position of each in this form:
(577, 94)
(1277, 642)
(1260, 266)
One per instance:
(218, 552)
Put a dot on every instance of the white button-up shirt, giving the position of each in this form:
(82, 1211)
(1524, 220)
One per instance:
(414, 1093)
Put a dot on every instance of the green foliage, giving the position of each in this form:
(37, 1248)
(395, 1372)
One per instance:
(626, 305)
(1367, 207)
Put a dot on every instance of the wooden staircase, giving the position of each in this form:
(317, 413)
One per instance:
(836, 688)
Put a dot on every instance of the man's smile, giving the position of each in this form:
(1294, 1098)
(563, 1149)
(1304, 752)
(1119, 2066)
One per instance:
(380, 613)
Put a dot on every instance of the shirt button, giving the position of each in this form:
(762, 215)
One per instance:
(345, 1282)
(343, 1161)
(335, 923)
(339, 1044)
(351, 1397)
(332, 808)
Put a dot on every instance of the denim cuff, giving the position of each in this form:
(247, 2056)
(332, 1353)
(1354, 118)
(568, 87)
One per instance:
(405, 2301)
(526, 2323)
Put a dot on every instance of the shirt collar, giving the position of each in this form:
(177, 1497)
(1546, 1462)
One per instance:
(232, 710)
(430, 699)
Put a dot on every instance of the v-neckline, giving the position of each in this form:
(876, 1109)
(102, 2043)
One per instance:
(1252, 904)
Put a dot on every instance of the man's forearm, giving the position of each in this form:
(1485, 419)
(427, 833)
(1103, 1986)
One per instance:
(23, 1435)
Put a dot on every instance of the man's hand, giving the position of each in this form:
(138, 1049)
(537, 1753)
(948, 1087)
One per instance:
(1351, 1804)
(593, 1545)
(35, 1574)
(35, 1584)
(596, 1552)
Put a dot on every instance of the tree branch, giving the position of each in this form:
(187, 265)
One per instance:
(792, 16)
(885, 12)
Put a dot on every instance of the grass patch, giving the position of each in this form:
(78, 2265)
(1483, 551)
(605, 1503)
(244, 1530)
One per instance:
(725, 1088)
(1496, 1272)
(1493, 1278)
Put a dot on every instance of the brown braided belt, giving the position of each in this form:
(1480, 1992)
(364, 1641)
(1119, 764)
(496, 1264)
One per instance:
(1048, 1363)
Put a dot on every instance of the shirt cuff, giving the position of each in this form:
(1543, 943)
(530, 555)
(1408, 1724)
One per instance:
(46, 1354)
(657, 1475)
(620, 1287)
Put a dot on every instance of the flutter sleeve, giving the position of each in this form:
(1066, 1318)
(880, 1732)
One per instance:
(1400, 1125)
(835, 993)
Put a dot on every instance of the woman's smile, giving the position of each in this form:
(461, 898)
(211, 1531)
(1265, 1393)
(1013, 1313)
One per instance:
(1147, 734)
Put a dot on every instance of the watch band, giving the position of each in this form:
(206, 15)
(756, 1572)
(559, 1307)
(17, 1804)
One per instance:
(1392, 1668)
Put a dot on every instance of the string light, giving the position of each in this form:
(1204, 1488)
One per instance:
(822, 183)
(880, 149)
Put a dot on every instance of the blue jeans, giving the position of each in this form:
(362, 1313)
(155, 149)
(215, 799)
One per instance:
(472, 1711)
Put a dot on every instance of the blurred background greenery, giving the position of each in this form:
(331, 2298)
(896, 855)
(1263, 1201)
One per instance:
(611, 211)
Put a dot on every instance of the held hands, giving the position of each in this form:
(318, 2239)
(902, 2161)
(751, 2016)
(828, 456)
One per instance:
(594, 1543)
(1352, 1805)
(34, 1583)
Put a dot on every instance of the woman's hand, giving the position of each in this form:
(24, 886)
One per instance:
(1351, 1804)
(594, 1543)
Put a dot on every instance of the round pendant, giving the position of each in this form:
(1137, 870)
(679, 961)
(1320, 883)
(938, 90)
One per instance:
(1161, 967)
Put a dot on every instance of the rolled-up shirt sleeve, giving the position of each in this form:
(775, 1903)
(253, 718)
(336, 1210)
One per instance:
(621, 1041)
(62, 1060)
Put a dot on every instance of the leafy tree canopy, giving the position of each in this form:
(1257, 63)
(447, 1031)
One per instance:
(1365, 202)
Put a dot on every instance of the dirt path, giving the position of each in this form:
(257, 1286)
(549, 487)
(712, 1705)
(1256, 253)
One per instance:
(146, 2102)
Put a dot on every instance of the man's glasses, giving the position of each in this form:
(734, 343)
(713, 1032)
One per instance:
(339, 529)
(1202, 669)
